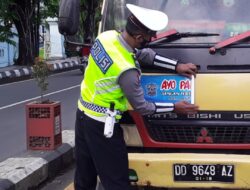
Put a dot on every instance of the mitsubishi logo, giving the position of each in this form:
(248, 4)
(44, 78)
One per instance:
(204, 136)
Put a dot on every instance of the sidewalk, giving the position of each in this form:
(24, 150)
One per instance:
(28, 170)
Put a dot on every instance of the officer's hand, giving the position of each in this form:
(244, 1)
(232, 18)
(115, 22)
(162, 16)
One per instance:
(184, 107)
(187, 69)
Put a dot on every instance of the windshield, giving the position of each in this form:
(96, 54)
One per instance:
(225, 17)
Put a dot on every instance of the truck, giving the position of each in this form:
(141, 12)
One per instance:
(209, 149)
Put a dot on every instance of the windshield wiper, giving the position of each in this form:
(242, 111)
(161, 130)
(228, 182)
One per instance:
(229, 41)
(173, 35)
(164, 35)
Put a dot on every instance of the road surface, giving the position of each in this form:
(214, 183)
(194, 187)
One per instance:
(63, 87)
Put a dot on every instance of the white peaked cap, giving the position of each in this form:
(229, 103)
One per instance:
(152, 19)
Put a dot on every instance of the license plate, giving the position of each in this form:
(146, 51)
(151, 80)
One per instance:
(204, 172)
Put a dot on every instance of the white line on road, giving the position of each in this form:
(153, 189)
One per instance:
(56, 92)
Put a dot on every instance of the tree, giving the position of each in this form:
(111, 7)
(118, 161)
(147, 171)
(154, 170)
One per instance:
(26, 16)
(89, 17)
(5, 23)
(41, 74)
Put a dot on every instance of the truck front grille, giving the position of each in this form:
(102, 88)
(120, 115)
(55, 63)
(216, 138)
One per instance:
(226, 133)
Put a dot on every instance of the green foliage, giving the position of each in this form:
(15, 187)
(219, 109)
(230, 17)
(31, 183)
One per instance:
(26, 16)
(6, 22)
(50, 9)
(6, 34)
(41, 74)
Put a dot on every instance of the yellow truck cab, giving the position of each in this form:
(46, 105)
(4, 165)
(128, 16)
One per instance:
(209, 149)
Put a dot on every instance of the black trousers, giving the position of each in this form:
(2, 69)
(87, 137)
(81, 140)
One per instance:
(98, 155)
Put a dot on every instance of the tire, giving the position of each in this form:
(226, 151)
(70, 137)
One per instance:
(69, 16)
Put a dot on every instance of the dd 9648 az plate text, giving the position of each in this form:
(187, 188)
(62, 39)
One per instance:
(204, 172)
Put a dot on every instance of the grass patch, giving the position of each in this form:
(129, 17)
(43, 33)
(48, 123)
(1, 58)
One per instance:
(41, 53)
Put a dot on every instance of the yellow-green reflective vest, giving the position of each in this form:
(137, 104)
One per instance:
(108, 59)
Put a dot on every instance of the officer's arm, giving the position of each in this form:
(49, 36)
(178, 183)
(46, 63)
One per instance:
(148, 57)
(130, 84)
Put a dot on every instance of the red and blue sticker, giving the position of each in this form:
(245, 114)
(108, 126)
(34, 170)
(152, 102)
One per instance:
(167, 88)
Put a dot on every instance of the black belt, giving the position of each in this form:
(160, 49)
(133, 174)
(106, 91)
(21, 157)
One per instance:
(96, 108)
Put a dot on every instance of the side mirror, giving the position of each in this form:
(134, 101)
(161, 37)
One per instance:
(69, 16)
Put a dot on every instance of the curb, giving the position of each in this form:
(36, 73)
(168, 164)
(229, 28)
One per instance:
(28, 170)
(15, 73)
(25, 72)
(65, 64)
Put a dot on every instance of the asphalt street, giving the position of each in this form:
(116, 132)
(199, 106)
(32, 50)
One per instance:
(64, 180)
(63, 87)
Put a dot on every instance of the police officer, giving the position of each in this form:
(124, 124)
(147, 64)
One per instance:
(111, 80)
